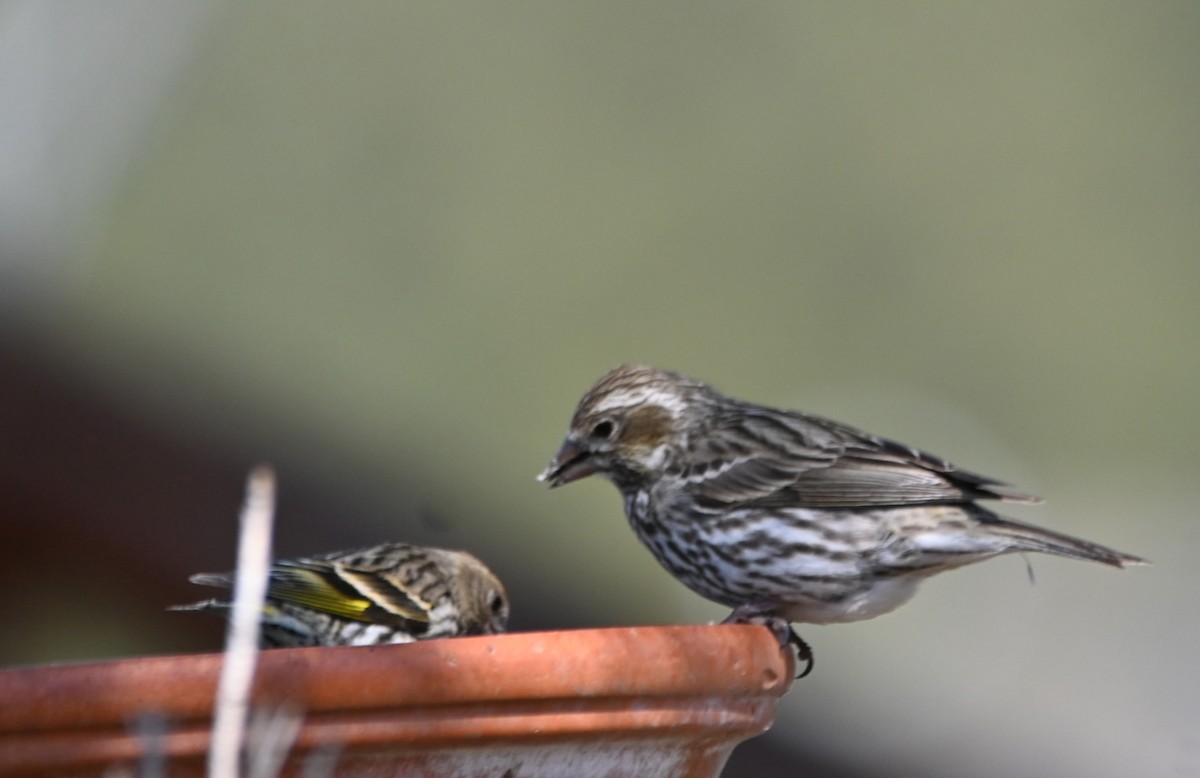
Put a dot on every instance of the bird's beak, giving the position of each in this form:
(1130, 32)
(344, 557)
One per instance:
(571, 463)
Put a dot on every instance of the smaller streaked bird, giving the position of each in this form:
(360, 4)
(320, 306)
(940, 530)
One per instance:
(391, 593)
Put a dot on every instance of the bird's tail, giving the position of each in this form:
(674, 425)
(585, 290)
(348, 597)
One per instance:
(218, 607)
(1026, 537)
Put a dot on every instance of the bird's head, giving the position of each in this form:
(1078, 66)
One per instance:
(627, 427)
(479, 595)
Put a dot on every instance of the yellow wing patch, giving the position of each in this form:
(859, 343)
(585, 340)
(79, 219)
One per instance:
(312, 589)
(343, 592)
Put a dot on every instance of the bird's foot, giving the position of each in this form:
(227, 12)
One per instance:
(781, 628)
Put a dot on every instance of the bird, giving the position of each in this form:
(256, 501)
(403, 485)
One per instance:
(787, 517)
(389, 593)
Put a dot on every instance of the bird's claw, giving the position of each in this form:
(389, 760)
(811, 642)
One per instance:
(786, 634)
(783, 632)
(804, 652)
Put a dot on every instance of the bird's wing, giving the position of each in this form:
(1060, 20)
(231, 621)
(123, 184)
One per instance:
(761, 457)
(342, 591)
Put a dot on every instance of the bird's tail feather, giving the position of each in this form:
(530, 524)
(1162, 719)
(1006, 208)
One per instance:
(1027, 537)
(219, 607)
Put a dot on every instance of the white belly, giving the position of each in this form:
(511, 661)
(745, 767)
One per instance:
(873, 599)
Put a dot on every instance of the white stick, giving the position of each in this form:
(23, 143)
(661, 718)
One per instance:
(241, 640)
(271, 734)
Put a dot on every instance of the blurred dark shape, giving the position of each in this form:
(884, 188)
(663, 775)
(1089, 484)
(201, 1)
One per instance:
(105, 514)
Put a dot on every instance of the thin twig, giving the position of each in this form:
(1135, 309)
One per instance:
(272, 733)
(151, 731)
(241, 639)
(321, 762)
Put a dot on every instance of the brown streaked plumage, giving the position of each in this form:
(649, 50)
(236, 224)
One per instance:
(786, 516)
(391, 593)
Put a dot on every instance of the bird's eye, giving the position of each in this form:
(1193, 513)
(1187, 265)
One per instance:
(497, 605)
(603, 430)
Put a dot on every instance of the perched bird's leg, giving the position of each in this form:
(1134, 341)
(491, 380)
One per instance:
(780, 628)
(804, 651)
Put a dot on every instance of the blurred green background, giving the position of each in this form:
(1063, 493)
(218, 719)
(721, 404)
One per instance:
(386, 246)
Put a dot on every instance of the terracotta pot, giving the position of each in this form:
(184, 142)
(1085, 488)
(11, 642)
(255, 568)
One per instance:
(640, 701)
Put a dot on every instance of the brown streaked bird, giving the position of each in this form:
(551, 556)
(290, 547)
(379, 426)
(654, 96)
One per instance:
(785, 516)
(391, 593)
